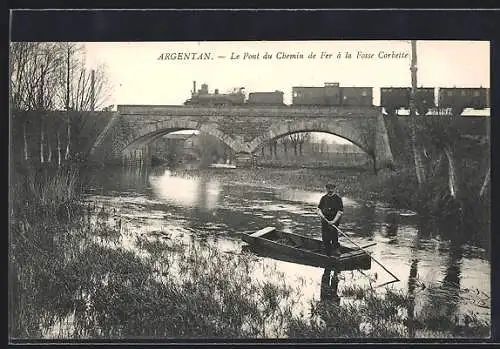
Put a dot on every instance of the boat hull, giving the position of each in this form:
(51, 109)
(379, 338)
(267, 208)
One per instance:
(299, 249)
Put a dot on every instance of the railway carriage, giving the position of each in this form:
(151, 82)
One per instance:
(357, 96)
(424, 100)
(316, 95)
(393, 98)
(460, 98)
(265, 98)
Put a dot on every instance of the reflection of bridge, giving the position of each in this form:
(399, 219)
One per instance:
(243, 129)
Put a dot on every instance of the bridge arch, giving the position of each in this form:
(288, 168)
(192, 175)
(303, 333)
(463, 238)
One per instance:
(347, 131)
(149, 133)
(242, 129)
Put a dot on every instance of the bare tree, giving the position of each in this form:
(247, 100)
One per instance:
(487, 176)
(22, 56)
(485, 182)
(90, 90)
(294, 140)
(25, 142)
(303, 137)
(50, 76)
(323, 146)
(53, 76)
(71, 61)
(41, 142)
(81, 88)
(285, 141)
(68, 143)
(59, 156)
(49, 146)
(438, 132)
(273, 145)
(33, 68)
(419, 167)
(313, 139)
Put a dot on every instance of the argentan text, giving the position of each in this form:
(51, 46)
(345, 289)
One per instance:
(185, 56)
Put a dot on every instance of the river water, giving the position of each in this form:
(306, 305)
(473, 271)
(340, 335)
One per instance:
(219, 210)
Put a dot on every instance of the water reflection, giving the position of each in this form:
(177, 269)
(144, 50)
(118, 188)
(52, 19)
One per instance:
(412, 281)
(452, 275)
(368, 220)
(297, 195)
(118, 179)
(426, 228)
(444, 297)
(200, 193)
(392, 222)
(330, 286)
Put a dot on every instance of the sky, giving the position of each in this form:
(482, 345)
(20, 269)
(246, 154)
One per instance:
(137, 76)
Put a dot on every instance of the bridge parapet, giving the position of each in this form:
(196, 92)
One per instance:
(249, 111)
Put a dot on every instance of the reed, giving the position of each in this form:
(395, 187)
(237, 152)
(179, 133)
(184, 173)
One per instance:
(365, 313)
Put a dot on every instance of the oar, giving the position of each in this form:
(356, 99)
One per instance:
(347, 237)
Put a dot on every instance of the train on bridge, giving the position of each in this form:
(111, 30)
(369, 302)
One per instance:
(332, 94)
(455, 98)
(236, 97)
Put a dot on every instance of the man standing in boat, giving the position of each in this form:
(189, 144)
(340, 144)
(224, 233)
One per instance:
(330, 209)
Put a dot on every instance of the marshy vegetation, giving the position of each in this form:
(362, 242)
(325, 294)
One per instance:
(368, 313)
(77, 270)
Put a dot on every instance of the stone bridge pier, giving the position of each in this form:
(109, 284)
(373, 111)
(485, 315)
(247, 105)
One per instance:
(243, 129)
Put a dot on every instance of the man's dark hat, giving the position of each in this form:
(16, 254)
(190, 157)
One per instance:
(330, 186)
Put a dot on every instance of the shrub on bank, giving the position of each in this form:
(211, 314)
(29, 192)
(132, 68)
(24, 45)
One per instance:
(465, 217)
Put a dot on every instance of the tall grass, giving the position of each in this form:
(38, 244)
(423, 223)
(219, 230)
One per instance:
(53, 189)
(390, 314)
(43, 200)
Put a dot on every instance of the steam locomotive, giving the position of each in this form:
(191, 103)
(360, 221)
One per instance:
(331, 94)
(236, 97)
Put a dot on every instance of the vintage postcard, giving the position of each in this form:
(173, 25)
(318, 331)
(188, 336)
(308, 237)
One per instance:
(331, 190)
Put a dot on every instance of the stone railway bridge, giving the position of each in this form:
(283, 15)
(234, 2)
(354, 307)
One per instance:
(243, 129)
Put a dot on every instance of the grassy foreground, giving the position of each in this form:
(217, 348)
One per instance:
(72, 276)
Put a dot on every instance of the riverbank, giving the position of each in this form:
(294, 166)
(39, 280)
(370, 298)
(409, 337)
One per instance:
(351, 182)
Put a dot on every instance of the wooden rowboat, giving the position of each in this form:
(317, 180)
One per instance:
(294, 248)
